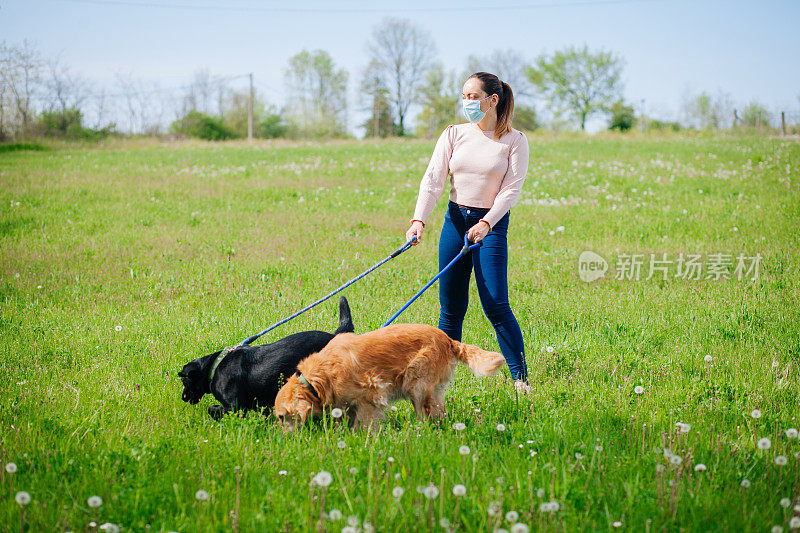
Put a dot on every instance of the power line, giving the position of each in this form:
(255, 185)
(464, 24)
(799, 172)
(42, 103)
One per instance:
(259, 9)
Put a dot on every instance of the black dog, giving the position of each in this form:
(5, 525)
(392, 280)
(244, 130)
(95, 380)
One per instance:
(249, 377)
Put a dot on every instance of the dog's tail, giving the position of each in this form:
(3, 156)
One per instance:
(481, 362)
(345, 320)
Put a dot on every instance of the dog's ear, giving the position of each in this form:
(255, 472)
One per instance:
(345, 318)
(304, 409)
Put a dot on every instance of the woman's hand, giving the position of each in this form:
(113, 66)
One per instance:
(477, 232)
(415, 231)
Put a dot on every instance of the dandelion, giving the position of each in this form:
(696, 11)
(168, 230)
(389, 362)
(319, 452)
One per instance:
(323, 478)
(349, 529)
(780, 460)
(540, 493)
(464, 450)
(353, 520)
(11, 468)
(791, 433)
(493, 509)
(431, 492)
(459, 426)
(397, 492)
(550, 349)
(390, 460)
(549, 507)
(201, 495)
(368, 528)
(341, 444)
(578, 456)
(116, 328)
(335, 515)
(764, 444)
(777, 529)
(109, 527)
(638, 389)
(745, 483)
(659, 468)
(444, 522)
(282, 472)
(755, 413)
(94, 502)
(598, 448)
(785, 503)
(707, 358)
(794, 523)
(676, 459)
(336, 412)
(519, 527)
(394, 408)
(512, 516)
(501, 427)
(617, 523)
(459, 490)
(22, 498)
(353, 470)
(683, 428)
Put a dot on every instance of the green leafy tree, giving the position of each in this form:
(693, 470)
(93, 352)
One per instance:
(622, 117)
(317, 105)
(706, 111)
(438, 97)
(201, 126)
(755, 115)
(373, 85)
(525, 118)
(578, 81)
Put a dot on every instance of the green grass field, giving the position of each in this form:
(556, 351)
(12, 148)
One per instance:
(121, 263)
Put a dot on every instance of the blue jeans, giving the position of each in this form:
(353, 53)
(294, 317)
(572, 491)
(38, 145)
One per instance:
(490, 263)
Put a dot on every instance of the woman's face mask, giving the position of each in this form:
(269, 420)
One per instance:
(472, 109)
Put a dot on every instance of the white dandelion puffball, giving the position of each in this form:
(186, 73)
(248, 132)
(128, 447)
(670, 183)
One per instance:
(353, 470)
(459, 490)
(617, 524)
(353, 520)
(282, 472)
(659, 468)
(94, 502)
(520, 527)
(201, 495)
(638, 389)
(349, 529)
(368, 528)
(464, 450)
(444, 522)
(501, 427)
(512, 516)
(431, 492)
(459, 426)
(493, 509)
(675, 459)
(785, 503)
(336, 412)
(598, 448)
(540, 493)
(397, 492)
(700, 467)
(390, 460)
(335, 515)
(683, 428)
(791, 433)
(777, 529)
(794, 523)
(341, 444)
(780, 460)
(764, 444)
(22, 498)
(11, 468)
(323, 478)
(708, 358)
(745, 483)
(109, 527)
(393, 408)
(117, 328)
(755, 413)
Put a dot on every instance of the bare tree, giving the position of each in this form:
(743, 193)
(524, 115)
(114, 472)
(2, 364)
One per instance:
(507, 65)
(20, 74)
(318, 101)
(706, 111)
(404, 54)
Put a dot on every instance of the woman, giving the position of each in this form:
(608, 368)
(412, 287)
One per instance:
(486, 160)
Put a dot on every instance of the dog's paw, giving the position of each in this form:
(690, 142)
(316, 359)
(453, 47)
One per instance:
(216, 412)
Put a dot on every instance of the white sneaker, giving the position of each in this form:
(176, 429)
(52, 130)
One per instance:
(522, 387)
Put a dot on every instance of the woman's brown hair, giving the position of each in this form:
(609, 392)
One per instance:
(505, 105)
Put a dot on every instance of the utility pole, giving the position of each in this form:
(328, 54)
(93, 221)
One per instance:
(250, 111)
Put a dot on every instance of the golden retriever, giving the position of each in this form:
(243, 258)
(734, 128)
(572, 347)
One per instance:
(363, 374)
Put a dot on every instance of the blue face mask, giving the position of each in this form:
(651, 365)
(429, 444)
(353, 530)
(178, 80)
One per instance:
(472, 109)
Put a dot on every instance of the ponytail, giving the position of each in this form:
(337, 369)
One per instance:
(505, 104)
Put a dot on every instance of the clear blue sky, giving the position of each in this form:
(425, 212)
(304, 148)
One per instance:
(750, 50)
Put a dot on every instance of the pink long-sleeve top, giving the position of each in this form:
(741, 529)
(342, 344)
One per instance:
(484, 172)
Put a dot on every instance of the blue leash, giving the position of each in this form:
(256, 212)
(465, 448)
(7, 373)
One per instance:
(464, 251)
(391, 256)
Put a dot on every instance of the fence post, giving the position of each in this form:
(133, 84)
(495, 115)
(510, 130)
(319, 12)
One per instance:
(735, 118)
(783, 123)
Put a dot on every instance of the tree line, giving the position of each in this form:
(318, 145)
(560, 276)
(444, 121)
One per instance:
(402, 79)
